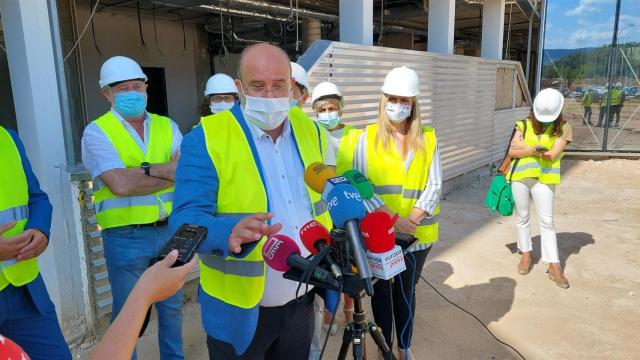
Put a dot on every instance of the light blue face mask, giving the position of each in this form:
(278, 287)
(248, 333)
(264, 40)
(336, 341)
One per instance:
(293, 102)
(329, 120)
(130, 103)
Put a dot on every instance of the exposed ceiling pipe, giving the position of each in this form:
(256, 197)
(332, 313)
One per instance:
(283, 10)
(235, 12)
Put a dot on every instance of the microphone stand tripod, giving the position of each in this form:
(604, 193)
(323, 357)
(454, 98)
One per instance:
(355, 331)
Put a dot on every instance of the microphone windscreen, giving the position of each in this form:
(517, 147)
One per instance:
(360, 182)
(377, 232)
(345, 203)
(312, 232)
(276, 251)
(316, 175)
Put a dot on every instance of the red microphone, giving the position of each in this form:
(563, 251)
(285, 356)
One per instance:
(377, 231)
(385, 257)
(315, 238)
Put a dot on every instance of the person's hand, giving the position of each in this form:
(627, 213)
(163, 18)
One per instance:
(10, 246)
(546, 156)
(161, 281)
(405, 225)
(251, 228)
(38, 243)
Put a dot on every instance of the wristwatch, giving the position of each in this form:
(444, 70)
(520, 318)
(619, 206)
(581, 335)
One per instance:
(146, 167)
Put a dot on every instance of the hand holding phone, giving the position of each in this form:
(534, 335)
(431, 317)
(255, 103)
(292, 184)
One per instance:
(541, 148)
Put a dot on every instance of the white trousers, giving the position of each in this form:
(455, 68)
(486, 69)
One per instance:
(543, 198)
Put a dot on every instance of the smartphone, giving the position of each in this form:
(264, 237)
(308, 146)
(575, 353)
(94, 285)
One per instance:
(541, 148)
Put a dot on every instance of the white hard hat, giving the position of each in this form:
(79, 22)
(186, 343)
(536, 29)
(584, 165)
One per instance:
(401, 81)
(120, 68)
(325, 89)
(220, 84)
(547, 105)
(299, 74)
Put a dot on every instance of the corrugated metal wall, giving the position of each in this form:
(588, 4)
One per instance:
(457, 96)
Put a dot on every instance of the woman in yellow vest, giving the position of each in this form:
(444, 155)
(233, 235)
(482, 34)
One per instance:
(539, 147)
(400, 157)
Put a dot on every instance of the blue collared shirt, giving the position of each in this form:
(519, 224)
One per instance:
(40, 208)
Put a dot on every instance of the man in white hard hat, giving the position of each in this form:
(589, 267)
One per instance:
(221, 93)
(132, 155)
(302, 89)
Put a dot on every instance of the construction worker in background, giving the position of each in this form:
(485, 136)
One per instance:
(302, 89)
(587, 101)
(616, 107)
(220, 93)
(609, 104)
(241, 174)
(27, 314)
(132, 156)
(327, 102)
(400, 156)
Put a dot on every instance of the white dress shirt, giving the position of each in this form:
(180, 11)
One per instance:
(290, 204)
(99, 155)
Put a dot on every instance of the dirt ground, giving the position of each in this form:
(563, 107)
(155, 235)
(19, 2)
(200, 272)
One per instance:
(474, 266)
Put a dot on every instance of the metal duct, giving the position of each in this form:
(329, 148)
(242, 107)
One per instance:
(283, 10)
(400, 29)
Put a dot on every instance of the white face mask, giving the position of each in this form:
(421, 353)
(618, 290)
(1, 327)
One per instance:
(220, 106)
(265, 113)
(397, 112)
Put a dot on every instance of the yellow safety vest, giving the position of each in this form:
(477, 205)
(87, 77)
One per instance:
(547, 172)
(400, 188)
(113, 210)
(241, 191)
(588, 100)
(14, 206)
(615, 96)
(347, 149)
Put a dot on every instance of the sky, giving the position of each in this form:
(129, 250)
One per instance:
(575, 24)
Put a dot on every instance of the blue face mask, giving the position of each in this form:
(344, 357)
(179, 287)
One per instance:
(329, 120)
(293, 102)
(130, 104)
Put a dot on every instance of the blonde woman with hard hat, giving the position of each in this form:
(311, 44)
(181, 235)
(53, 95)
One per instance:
(400, 156)
(539, 145)
(220, 94)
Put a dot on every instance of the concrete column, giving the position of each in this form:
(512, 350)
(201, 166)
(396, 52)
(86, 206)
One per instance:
(492, 29)
(34, 82)
(442, 17)
(356, 21)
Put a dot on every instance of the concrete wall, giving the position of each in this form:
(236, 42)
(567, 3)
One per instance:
(117, 34)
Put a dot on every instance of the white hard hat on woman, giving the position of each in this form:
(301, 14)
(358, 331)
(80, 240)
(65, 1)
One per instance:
(221, 92)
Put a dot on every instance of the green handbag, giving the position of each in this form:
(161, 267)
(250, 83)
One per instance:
(499, 197)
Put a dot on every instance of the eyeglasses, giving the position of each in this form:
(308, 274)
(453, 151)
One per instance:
(261, 90)
(137, 86)
(222, 98)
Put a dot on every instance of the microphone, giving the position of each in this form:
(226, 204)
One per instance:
(322, 178)
(316, 175)
(385, 258)
(315, 237)
(360, 182)
(281, 253)
(346, 209)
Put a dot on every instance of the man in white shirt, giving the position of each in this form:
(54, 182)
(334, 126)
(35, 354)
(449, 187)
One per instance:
(131, 155)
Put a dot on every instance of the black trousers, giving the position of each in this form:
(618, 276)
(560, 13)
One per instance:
(389, 304)
(283, 332)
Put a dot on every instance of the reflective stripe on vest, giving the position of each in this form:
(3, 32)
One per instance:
(241, 191)
(547, 172)
(114, 211)
(347, 149)
(14, 206)
(398, 187)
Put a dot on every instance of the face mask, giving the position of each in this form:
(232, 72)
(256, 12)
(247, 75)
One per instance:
(220, 106)
(130, 103)
(266, 113)
(328, 120)
(293, 102)
(397, 112)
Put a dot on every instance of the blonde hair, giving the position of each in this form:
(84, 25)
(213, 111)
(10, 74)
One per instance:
(414, 139)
